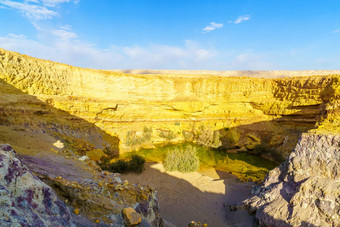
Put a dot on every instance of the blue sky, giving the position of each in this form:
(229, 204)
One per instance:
(176, 34)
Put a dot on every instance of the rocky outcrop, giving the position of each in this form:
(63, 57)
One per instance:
(24, 199)
(118, 111)
(305, 189)
(64, 196)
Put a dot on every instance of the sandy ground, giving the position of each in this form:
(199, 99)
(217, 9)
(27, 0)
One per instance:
(39, 152)
(198, 196)
(183, 197)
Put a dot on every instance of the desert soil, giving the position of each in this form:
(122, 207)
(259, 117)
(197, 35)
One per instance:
(198, 196)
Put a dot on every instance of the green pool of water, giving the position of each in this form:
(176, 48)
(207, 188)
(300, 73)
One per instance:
(243, 165)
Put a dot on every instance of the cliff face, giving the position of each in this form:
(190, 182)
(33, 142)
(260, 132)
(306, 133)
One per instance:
(131, 111)
(105, 112)
(305, 189)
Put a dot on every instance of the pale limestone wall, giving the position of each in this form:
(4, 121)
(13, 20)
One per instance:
(120, 103)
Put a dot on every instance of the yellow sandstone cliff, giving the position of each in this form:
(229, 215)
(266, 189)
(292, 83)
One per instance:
(119, 112)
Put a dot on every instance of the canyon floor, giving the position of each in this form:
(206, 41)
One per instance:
(197, 196)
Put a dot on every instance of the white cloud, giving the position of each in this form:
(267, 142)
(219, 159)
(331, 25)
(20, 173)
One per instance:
(31, 11)
(336, 30)
(62, 45)
(53, 3)
(250, 61)
(190, 55)
(66, 27)
(64, 34)
(20, 36)
(212, 26)
(35, 9)
(241, 19)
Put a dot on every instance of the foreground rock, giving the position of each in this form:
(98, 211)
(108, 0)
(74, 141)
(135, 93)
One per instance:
(305, 189)
(24, 199)
(64, 197)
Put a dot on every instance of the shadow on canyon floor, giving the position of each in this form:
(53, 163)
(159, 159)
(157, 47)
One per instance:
(180, 200)
(33, 127)
(186, 197)
(273, 139)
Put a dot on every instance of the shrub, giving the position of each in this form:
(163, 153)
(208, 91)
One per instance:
(207, 137)
(132, 139)
(184, 160)
(188, 136)
(135, 164)
(168, 135)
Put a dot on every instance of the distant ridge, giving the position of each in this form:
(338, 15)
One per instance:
(248, 73)
(183, 73)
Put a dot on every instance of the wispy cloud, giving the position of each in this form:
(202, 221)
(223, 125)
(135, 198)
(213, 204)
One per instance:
(35, 9)
(21, 36)
(53, 2)
(31, 11)
(241, 19)
(336, 30)
(212, 26)
(63, 45)
(250, 61)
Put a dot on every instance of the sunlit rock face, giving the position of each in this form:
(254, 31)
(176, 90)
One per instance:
(118, 111)
(305, 189)
(94, 111)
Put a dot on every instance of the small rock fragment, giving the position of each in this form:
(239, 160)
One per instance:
(84, 158)
(59, 144)
(76, 211)
(131, 217)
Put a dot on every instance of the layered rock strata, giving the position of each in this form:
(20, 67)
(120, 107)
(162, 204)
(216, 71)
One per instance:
(305, 189)
(121, 112)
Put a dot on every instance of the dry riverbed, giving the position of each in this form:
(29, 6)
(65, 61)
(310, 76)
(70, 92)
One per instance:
(198, 196)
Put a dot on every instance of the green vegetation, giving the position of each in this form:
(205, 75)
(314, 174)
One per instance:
(135, 164)
(168, 135)
(188, 136)
(243, 165)
(132, 139)
(182, 159)
(207, 137)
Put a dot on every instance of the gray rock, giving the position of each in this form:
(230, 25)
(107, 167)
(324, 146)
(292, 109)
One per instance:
(305, 189)
(55, 200)
(24, 199)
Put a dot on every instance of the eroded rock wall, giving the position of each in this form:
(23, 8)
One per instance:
(242, 113)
